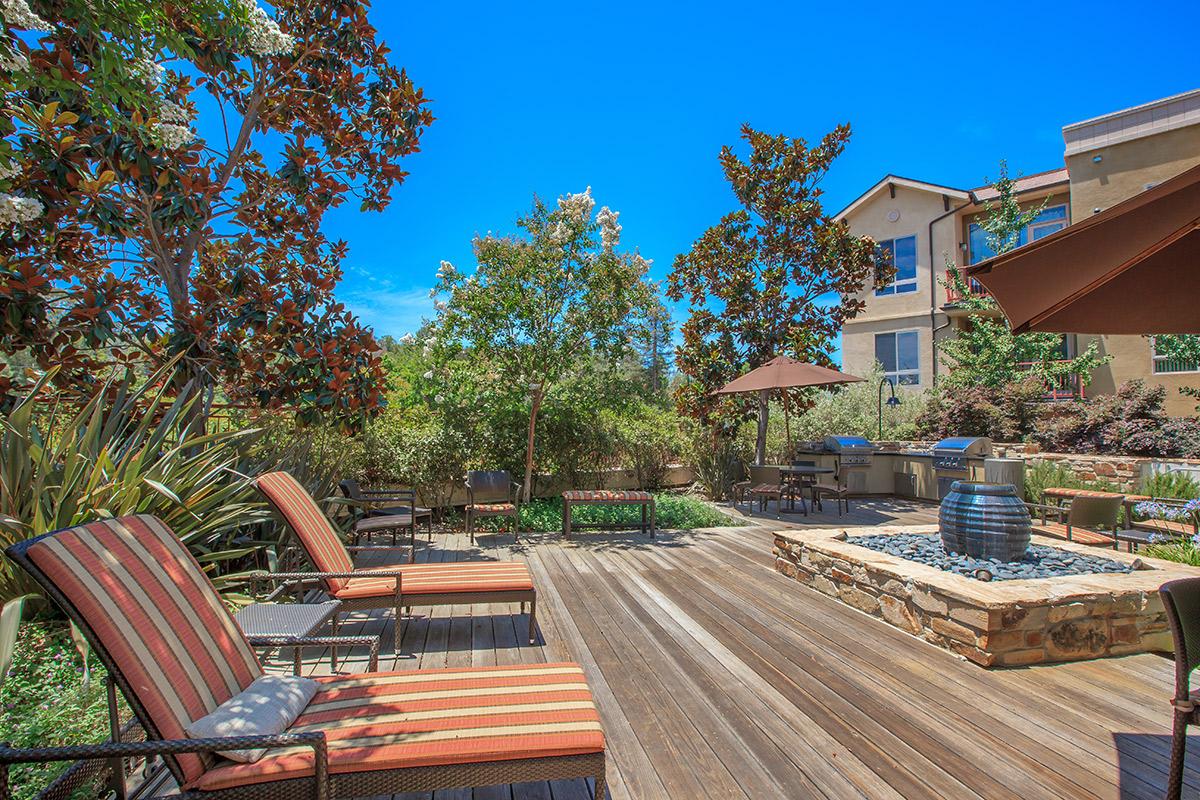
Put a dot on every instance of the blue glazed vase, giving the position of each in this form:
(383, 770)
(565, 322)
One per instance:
(984, 520)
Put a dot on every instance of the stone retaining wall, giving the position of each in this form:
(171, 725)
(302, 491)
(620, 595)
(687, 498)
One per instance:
(1001, 623)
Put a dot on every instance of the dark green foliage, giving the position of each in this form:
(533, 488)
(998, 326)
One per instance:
(1130, 422)
(673, 512)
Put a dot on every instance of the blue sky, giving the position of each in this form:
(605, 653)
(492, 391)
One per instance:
(636, 99)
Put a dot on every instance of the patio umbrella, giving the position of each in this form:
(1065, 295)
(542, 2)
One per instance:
(1131, 269)
(782, 372)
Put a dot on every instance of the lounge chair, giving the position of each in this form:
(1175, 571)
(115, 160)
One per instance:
(450, 583)
(171, 647)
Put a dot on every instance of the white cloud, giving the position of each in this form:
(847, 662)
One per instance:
(390, 311)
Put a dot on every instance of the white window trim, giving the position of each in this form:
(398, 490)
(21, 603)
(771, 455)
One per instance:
(1155, 358)
(896, 284)
(895, 375)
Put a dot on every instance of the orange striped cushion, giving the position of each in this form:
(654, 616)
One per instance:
(394, 720)
(463, 576)
(494, 508)
(148, 604)
(606, 496)
(306, 519)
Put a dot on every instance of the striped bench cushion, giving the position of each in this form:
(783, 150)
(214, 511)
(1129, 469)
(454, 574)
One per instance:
(435, 718)
(1068, 493)
(607, 496)
(154, 611)
(316, 533)
(461, 576)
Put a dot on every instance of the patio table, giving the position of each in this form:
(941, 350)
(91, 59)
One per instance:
(606, 497)
(293, 625)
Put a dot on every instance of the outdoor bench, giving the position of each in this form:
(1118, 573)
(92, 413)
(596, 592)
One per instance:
(606, 497)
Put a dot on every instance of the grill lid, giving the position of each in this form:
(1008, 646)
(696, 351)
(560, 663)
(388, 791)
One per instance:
(964, 445)
(839, 443)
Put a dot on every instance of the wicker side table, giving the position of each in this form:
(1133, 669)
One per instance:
(293, 625)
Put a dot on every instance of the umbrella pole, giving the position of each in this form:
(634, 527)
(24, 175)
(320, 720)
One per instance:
(787, 426)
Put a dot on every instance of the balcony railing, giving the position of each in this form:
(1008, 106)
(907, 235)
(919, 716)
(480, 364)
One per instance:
(954, 296)
(1063, 387)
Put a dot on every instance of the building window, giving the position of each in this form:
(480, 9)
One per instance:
(902, 254)
(1166, 365)
(899, 353)
(1047, 222)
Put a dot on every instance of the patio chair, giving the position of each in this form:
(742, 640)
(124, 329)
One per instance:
(837, 490)
(492, 494)
(1181, 599)
(1089, 519)
(171, 647)
(741, 483)
(440, 584)
(766, 484)
(373, 505)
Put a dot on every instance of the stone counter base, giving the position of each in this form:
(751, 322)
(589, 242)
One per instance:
(999, 623)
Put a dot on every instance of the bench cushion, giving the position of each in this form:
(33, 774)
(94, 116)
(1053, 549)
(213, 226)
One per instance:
(1067, 493)
(427, 718)
(493, 508)
(607, 496)
(460, 576)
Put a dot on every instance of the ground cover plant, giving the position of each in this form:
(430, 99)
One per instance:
(672, 511)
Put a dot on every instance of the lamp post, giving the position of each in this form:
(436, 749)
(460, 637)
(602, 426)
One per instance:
(892, 401)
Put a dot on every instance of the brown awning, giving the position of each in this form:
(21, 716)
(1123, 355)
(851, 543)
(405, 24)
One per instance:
(782, 372)
(1131, 269)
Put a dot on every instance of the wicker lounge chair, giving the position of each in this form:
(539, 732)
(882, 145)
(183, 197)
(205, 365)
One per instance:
(1181, 601)
(492, 494)
(173, 650)
(449, 583)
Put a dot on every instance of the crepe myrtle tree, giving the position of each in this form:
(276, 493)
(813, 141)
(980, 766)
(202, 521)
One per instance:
(986, 352)
(540, 302)
(126, 237)
(778, 276)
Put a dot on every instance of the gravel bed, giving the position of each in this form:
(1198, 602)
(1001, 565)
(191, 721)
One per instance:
(1040, 561)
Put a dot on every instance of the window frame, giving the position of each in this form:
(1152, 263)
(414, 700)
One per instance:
(1027, 231)
(893, 288)
(894, 375)
(1156, 359)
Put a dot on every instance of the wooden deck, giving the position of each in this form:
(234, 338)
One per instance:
(718, 678)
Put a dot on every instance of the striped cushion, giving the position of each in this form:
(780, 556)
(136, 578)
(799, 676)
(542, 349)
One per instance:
(151, 608)
(606, 495)
(494, 508)
(767, 488)
(434, 718)
(1062, 492)
(316, 533)
(463, 576)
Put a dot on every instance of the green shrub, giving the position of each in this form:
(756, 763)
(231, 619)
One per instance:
(648, 439)
(1130, 422)
(1004, 414)
(1183, 551)
(717, 461)
(854, 410)
(672, 512)
(45, 702)
(1179, 485)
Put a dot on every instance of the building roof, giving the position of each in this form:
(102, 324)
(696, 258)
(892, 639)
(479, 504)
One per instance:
(1158, 116)
(907, 183)
(1025, 183)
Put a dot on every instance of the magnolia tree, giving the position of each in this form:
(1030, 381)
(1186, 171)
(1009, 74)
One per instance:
(127, 237)
(986, 352)
(539, 303)
(777, 277)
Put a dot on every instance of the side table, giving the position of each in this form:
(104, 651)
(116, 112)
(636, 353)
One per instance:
(293, 625)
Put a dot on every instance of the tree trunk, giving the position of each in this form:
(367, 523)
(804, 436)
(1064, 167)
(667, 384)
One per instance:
(760, 445)
(527, 487)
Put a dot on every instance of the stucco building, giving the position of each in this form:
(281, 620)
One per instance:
(926, 226)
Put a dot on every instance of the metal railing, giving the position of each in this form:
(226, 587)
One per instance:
(1062, 387)
(1165, 365)
(974, 287)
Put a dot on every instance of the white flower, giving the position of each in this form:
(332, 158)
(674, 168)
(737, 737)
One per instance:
(559, 233)
(174, 113)
(610, 231)
(440, 305)
(15, 210)
(433, 293)
(171, 136)
(428, 375)
(13, 61)
(264, 38)
(578, 206)
(439, 399)
(407, 338)
(533, 387)
(150, 70)
(18, 14)
(445, 270)
(10, 170)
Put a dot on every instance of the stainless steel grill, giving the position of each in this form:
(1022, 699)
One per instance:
(952, 459)
(852, 451)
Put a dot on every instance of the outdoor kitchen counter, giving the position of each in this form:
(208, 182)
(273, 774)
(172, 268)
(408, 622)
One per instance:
(890, 470)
